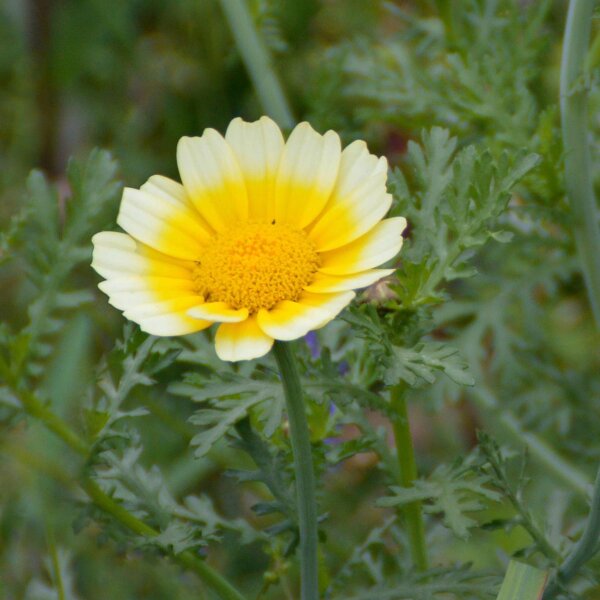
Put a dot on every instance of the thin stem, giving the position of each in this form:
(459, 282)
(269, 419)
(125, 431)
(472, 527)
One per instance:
(54, 563)
(585, 548)
(187, 559)
(54, 423)
(413, 512)
(303, 467)
(574, 117)
(538, 449)
(573, 104)
(256, 58)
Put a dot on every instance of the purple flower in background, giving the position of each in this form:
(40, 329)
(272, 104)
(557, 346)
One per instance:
(312, 341)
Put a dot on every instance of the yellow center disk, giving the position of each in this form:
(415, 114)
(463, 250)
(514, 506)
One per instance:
(256, 265)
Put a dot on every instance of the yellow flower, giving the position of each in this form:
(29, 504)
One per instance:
(266, 237)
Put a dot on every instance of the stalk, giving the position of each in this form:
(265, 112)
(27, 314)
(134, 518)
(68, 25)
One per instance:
(574, 117)
(584, 549)
(578, 179)
(413, 512)
(561, 469)
(303, 468)
(258, 63)
(103, 501)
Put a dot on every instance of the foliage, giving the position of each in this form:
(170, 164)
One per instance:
(451, 490)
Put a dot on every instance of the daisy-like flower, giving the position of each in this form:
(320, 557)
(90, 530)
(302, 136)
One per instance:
(265, 237)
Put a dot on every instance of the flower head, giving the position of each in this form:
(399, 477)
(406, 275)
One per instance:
(265, 237)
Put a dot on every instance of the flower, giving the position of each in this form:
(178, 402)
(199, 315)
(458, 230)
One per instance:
(265, 237)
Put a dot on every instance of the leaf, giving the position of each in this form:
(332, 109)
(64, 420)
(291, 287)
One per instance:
(452, 491)
(271, 470)
(230, 398)
(52, 243)
(176, 537)
(423, 362)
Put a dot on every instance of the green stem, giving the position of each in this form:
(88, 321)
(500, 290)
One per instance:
(256, 58)
(303, 467)
(54, 563)
(54, 423)
(186, 559)
(413, 512)
(584, 549)
(578, 179)
(543, 453)
(574, 117)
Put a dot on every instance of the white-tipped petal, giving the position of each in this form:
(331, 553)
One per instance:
(374, 248)
(306, 176)
(290, 320)
(212, 179)
(167, 189)
(358, 202)
(327, 284)
(241, 341)
(118, 254)
(172, 229)
(258, 147)
(219, 312)
(131, 291)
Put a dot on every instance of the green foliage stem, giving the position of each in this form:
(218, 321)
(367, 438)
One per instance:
(54, 423)
(574, 116)
(541, 451)
(585, 548)
(522, 581)
(573, 101)
(257, 61)
(303, 467)
(413, 512)
(35, 408)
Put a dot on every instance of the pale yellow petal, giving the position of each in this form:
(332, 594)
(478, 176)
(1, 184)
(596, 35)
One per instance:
(118, 255)
(173, 192)
(306, 176)
(171, 323)
(167, 189)
(134, 290)
(290, 320)
(173, 229)
(241, 341)
(219, 312)
(359, 199)
(370, 250)
(213, 179)
(258, 147)
(152, 289)
(327, 284)
(167, 317)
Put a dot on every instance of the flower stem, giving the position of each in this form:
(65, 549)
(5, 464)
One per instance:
(413, 512)
(256, 58)
(303, 467)
(186, 559)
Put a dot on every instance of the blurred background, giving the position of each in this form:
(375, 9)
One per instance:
(132, 77)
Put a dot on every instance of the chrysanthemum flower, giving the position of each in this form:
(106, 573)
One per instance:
(265, 237)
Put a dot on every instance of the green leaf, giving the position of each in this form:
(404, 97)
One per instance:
(230, 398)
(522, 581)
(452, 491)
(423, 361)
